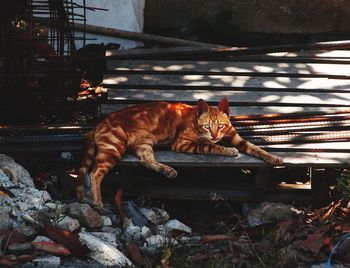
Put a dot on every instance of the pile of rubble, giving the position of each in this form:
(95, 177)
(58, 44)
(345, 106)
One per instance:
(35, 228)
(37, 231)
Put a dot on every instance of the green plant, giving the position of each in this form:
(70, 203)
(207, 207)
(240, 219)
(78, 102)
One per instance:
(343, 184)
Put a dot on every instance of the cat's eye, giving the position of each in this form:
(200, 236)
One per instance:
(207, 126)
(221, 125)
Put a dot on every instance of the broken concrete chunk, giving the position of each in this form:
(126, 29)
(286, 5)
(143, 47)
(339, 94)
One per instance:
(115, 231)
(167, 228)
(106, 221)
(132, 232)
(39, 198)
(155, 215)
(40, 238)
(155, 242)
(87, 216)
(190, 239)
(15, 171)
(158, 241)
(109, 238)
(267, 212)
(5, 179)
(6, 222)
(55, 206)
(133, 213)
(69, 223)
(47, 261)
(104, 253)
(145, 232)
(177, 225)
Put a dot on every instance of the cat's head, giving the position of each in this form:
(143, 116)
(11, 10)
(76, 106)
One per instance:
(213, 122)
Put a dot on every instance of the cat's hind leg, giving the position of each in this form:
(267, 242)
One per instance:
(105, 160)
(146, 155)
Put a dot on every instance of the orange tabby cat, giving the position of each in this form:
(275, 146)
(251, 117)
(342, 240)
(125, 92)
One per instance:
(189, 129)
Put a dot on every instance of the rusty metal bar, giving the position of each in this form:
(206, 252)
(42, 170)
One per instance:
(302, 138)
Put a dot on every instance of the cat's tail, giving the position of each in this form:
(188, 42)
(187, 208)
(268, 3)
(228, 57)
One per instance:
(89, 154)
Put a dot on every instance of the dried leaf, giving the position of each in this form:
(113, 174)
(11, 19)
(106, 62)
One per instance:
(66, 238)
(330, 211)
(84, 84)
(316, 241)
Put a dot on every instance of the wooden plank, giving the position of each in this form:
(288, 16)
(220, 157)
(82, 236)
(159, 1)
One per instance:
(245, 110)
(231, 81)
(333, 54)
(290, 159)
(230, 67)
(239, 97)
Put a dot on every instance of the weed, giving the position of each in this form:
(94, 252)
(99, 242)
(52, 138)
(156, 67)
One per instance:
(343, 184)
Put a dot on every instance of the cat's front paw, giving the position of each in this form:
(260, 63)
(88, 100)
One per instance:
(230, 151)
(275, 160)
(169, 172)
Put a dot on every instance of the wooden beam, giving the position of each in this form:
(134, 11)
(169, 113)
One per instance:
(157, 39)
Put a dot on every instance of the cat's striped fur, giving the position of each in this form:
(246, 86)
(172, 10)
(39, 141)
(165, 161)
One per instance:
(189, 129)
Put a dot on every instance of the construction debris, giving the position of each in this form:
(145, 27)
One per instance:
(44, 232)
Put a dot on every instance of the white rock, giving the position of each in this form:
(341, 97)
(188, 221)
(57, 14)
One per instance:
(66, 155)
(40, 199)
(171, 225)
(104, 253)
(190, 239)
(155, 215)
(69, 223)
(145, 232)
(5, 180)
(115, 231)
(23, 206)
(41, 238)
(106, 221)
(158, 241)
(47, 261)
(132, 232)
(5, 220)
(54, 206)
(106, 237)
(15, 171)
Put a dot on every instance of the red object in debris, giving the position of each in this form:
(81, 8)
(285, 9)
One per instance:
(214, 238)
(316, 241)
(84, 84)
(52, 248)
(119, 204)
(66, 238)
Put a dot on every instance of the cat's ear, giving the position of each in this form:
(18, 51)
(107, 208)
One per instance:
(202, 107)
(224, 106)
